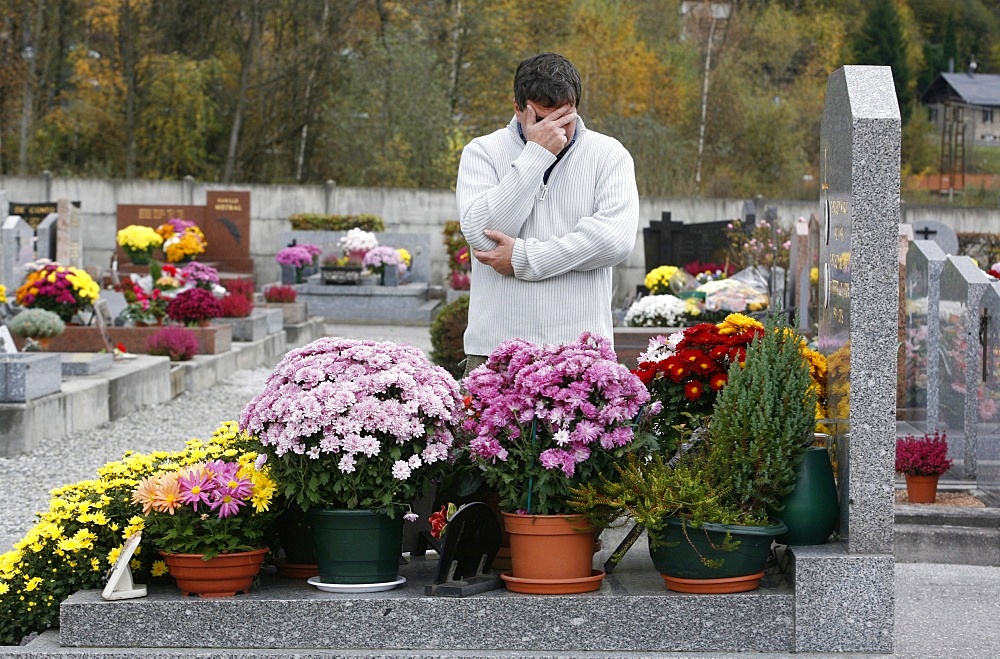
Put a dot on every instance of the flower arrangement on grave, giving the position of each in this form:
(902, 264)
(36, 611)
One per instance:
(64, 290)
(295, 256)
(706, 272)
(36, 323)
(212, 507)
(80, 536)
(665, 279)
(3, 294)
(764, 245)
(353, 424)
(685, 371)
(194, 306)
(279, 294)
(354, 245)
(922, 456)
(731, 294)
(733, 472)
(994, 271)
(405, 261)
(143, 308)
(543, 419)
(178, 343)
(182, 240)
(139, 242)
(235, 306)
(201, 275)
(661, 311)
(459, 256)
(380, 258)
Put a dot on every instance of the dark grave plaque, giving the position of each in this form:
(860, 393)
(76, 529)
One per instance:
(227, 230)
(666, 242)
(471, 541)
(34, 213)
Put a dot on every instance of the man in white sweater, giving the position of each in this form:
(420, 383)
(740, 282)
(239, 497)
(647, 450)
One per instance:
(549, 209)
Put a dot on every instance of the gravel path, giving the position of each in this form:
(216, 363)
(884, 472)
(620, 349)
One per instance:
(25, 480)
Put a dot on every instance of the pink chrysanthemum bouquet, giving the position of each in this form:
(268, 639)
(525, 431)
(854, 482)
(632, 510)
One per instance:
(543, 419)
(355, 424)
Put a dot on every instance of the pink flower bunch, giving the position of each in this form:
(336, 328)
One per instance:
(541, 419)
(297, 256)
(355, 424)
(199, 274)
(212, 507)
(381, 256)
(459, 281)
(922, 456)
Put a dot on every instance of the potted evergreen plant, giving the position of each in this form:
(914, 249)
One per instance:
(710, 510)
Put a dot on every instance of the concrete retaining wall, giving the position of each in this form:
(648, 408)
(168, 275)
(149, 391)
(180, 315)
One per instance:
(403, 210)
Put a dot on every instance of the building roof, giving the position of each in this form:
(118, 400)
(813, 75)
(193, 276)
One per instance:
(972, 88)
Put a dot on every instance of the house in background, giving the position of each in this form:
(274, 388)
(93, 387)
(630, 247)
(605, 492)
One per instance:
(965, 108)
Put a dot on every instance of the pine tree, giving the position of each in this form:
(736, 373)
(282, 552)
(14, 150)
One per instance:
(882, 42)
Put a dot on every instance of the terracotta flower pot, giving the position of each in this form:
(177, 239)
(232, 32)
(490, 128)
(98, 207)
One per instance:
(222, 576)
(921, 489)
(550, 554)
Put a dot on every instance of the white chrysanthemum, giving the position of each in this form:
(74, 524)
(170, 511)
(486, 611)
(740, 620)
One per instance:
(656, 311)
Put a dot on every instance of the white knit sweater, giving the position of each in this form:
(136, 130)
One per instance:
(570, 234)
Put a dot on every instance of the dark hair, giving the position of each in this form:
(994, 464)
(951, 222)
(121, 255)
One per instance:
(548, 79)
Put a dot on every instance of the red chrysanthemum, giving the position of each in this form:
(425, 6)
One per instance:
(693, 390)
(718, 381)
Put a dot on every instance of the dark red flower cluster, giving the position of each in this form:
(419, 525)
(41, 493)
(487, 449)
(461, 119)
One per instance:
(922, 456)
(193, 305)
(687, 380)
(695, 268)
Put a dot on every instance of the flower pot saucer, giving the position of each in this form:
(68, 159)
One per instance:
(713, 586)
(553, 586)
(355, 587)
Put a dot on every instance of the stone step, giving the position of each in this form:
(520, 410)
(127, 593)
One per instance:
(821, 600)
(292, 615)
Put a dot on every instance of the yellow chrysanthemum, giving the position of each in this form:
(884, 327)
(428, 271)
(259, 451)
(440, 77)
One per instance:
(139, 238)
(32, 583)
(737, 322)
(658, 279)
(404, 256)
(3, 293)
(159, 569)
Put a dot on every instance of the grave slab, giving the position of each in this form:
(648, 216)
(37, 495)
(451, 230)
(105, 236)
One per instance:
(85, 363)
(26, 376)
(924, 264)
(406, 304)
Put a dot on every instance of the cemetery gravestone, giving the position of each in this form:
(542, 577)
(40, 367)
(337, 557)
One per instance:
(988, 428)
(69, 234)
(798, 290)
(666, 242)
(225, 221)
(924, 263)
(859, 289)
(17, 247)
(963, 285)
(46, 234)
(940, 233)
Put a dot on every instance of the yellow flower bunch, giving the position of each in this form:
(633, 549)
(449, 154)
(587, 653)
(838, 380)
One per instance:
(189, 243)
(81, 534)
(404, 256)
(3, 293)
(658, 279)
(736, 323)
(83, 284)
(139, 238)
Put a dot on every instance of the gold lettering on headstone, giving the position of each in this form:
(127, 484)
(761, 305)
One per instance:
(838, 206)
(228, 204)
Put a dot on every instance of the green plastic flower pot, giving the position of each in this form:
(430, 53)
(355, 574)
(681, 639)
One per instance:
(678, 551)
(357, 546)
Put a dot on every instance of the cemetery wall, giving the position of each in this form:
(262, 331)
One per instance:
(403, 210)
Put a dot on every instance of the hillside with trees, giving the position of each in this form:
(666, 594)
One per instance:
(386, 92)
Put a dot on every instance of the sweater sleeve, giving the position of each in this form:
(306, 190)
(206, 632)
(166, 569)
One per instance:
(497, 200)
(601, 240)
